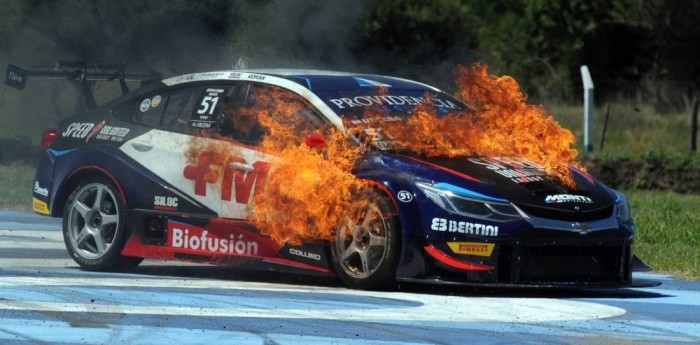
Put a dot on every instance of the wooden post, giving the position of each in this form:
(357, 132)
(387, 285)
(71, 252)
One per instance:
(694, 127)
(605, 127)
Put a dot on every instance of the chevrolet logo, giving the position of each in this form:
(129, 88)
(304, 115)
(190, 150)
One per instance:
(582, 228)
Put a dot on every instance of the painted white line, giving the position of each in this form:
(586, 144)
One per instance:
(52, 331)
(479, 310)
(24, 244)
(52, 235)
(34, 262)
(418, 307)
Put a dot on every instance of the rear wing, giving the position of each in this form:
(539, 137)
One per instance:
(16, 76)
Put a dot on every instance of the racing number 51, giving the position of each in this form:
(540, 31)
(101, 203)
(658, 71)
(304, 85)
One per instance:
(208, 105)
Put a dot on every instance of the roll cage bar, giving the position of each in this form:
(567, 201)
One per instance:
(82, 72)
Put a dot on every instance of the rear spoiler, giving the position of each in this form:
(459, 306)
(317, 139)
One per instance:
(16, 76)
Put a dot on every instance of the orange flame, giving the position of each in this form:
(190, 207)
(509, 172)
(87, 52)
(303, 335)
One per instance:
(308, 190)
(499, 123)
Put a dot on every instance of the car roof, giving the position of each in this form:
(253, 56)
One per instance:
(311, 79)
(307, 83)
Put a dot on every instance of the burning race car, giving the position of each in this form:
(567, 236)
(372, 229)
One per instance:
(172, 171)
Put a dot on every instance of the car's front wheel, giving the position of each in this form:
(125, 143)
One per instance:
(365, 249)
(93, 227)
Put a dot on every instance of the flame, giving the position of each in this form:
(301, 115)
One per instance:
(309, 190)
(498, 123)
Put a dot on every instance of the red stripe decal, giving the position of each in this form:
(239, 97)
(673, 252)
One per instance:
(463, 175)
(452, 262)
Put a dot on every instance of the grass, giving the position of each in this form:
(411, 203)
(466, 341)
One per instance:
(629, 130)
(16, 187)
(668, 237)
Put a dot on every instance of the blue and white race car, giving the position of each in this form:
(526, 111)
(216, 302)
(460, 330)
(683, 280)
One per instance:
(119, 176)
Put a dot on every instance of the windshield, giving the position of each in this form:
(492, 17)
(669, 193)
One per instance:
(370, 109)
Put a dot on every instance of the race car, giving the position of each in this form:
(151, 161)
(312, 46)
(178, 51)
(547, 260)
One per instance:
(119, 176)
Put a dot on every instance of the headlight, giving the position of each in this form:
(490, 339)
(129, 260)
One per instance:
(622, 209)
(469, 203)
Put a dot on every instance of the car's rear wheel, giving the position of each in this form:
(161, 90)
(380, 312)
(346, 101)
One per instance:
(93, 227)
(365, 249)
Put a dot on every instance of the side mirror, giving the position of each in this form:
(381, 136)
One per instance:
(316, 141)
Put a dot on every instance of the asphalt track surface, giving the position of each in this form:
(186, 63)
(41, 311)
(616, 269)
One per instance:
(46, 299)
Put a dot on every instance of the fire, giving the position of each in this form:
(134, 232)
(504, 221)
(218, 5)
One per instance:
(310, 189)
(499, 123)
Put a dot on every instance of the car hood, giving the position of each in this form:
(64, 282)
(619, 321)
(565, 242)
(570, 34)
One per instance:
(523, 183)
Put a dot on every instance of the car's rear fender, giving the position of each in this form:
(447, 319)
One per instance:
(74, 175)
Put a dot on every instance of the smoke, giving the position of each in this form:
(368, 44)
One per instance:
(300, 34)
(181, 36)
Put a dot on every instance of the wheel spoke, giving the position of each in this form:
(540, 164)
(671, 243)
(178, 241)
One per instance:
(100, 245)
(376, 240)
(355, 230)
(365, 261)
(82, 237)
(108, 219)
(81, 208)
(99, 195)
(369, 217)
(349, 251)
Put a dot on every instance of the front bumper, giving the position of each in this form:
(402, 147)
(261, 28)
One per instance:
(542, 258)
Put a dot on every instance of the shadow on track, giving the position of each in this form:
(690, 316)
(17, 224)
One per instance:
(231, 274)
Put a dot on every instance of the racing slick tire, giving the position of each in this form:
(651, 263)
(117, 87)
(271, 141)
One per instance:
(93, 227)
(365, 249)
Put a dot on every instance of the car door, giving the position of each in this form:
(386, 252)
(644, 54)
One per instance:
(178, 121)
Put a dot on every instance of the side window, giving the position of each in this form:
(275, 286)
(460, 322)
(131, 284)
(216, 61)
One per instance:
(125, 111)
(241, 113)
(177, 111)
(168, 110)
(150, 111)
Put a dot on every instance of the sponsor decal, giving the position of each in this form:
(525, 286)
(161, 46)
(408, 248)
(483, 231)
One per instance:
(100, 131)
(304, 254)
(472, 248)
(204, 114)
(239, 178)
(78, 130)
(235, 75)
(186, 77)
(95, 130)
(356, 121)
(14, 77)
(391, 100)
(567, 198)
(165, 203)
(515, 169)
(40, 207)
(155, 102)
(256, 77)
(113, 133)
(211, 75)
(39, 190)
(404, 196)
(199, 240)
(442, 224)
(145, 105)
